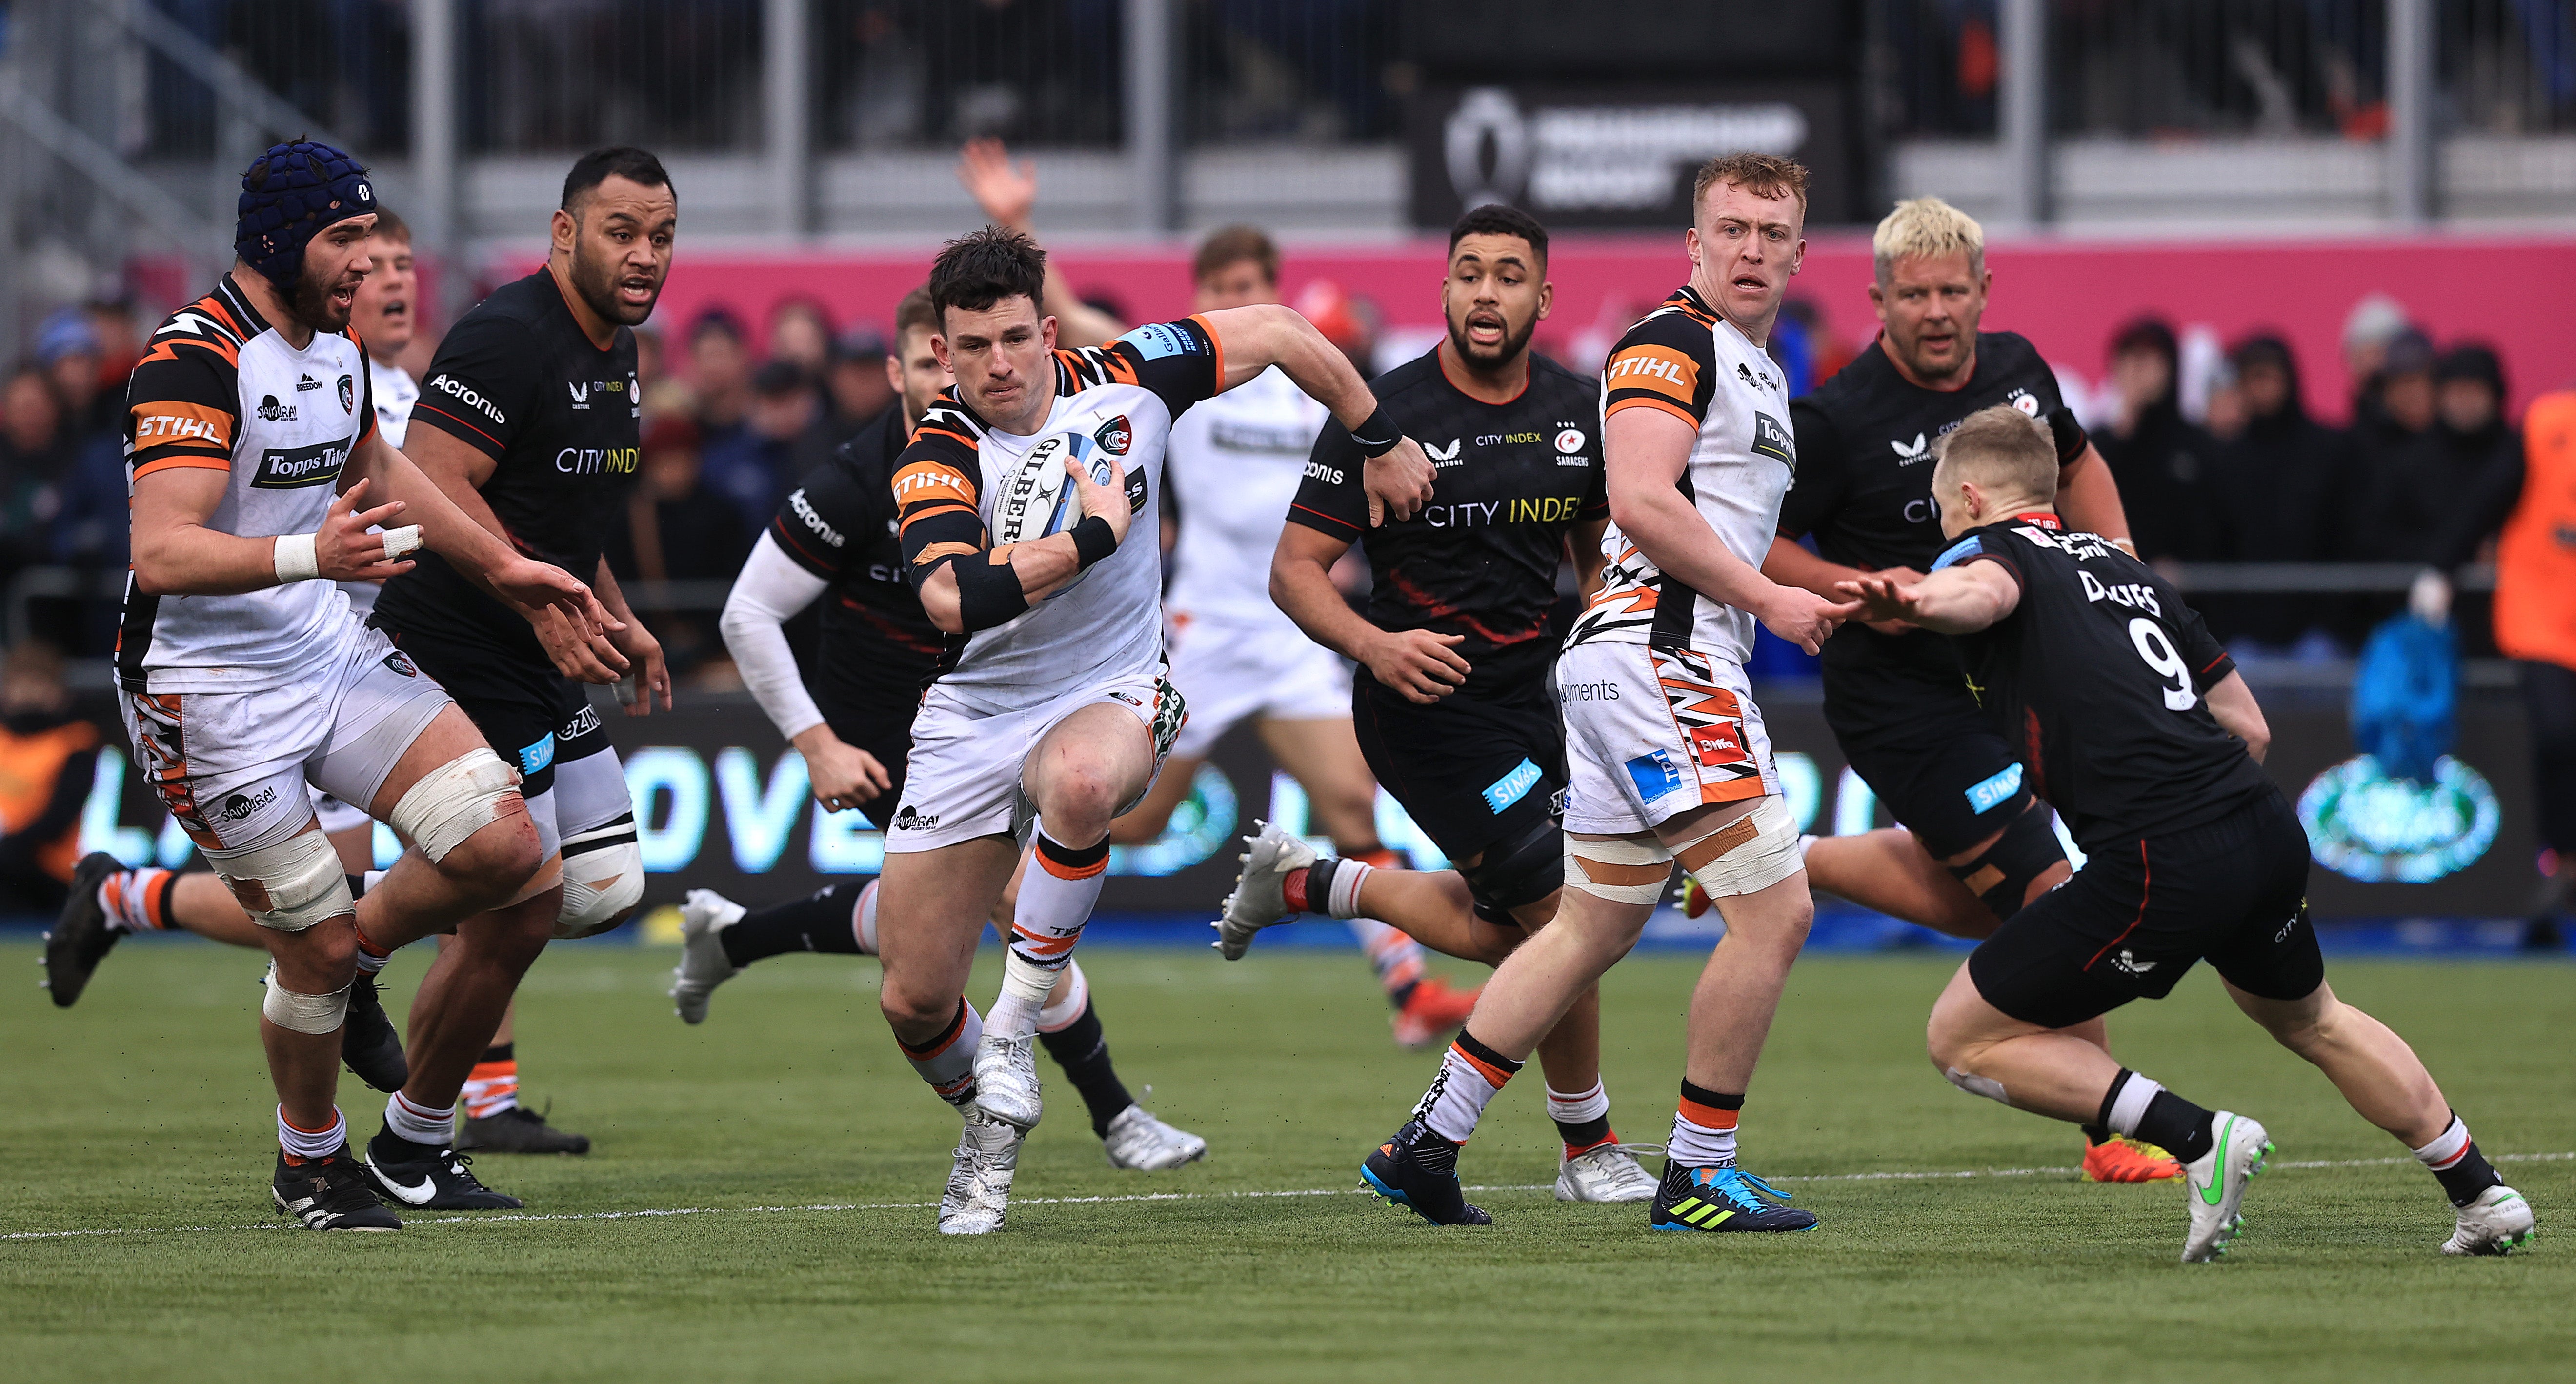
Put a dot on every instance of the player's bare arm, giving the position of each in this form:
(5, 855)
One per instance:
(1790, 564)
(643, 651)
(1043, 567)
(1954, 600)
(1583, 549)
(1646, 451)
(177, 553)
(2232, 702)
(1252, 339)
(1421, 664)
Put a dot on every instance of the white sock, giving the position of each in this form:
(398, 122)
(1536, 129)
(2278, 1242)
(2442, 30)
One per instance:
(435, 1128)
(2447, 1147)
(2130, 1106)
(1579, 1107)
(1025, 988)
(1055, 901)
(1468, 1081)
(311, 1143)
(1342, 898)
(1703, 1134)
(948, 1063)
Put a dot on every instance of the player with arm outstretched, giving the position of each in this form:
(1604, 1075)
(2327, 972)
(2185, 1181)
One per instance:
(2136, 726)
(1451, 700)
(1972, 845)
(251, 447)
(1050, 715)
(1666, 750)
(834, 540)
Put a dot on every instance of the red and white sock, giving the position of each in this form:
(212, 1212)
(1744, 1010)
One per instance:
(493, 1085)
(138, 900)
(421, 1125)
(1055, 902)
(1471, 1074)
(1582, 1118)
(947, 1062)
(301, 1144)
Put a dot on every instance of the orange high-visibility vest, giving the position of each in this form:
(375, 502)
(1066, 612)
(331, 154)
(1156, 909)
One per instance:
(29, 767)
(2535, 599)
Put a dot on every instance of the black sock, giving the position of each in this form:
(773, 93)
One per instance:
(825, 921)
(1584, 1134)
(1079, 1048)
(357, 885)
(499, 1052)
(2469, 1174)
(2178, 1126)
(2097, 1134)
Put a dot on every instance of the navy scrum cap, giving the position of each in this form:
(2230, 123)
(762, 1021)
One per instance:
(289, 194)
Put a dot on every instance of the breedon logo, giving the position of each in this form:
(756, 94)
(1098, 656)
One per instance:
(2366, 824)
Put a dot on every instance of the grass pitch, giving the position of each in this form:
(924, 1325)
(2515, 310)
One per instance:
(806, 1154)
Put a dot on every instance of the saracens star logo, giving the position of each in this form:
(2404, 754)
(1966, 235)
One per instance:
(1115, 436)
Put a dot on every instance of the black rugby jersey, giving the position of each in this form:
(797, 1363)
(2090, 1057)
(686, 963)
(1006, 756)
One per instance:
(1865, 444)
(517, 380)
(2097, 679)
(878, 648)
(1508, 481)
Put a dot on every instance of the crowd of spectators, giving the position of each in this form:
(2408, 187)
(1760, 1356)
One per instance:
(62, 465)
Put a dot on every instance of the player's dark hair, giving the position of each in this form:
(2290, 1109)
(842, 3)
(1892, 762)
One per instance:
(982, 268)
(914, 313)
(1228, 246)
(635, 165)
(2005, 448)
(390, 226)
(1494, 218)
(1763, 175)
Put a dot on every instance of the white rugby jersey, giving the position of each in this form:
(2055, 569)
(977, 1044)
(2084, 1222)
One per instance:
(395, 392)
(1113, 405)
(1690, 362)
(219, 389)
(1235, 462)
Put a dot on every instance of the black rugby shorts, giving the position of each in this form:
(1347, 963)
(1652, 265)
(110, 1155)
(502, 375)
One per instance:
(1471, 773)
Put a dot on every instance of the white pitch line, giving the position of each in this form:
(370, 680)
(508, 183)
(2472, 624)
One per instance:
(497, 1218)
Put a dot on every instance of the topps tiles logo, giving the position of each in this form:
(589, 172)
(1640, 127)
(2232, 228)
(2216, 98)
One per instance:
(297, 467)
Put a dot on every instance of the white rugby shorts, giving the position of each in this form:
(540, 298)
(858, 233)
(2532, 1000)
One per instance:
(963, 779)
(1652, 733)
(236, 768)
(1231, 670)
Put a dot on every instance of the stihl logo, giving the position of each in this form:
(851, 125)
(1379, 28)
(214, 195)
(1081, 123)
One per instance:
(1636, 369)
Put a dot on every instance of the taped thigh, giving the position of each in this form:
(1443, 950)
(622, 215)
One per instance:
(2002, 874)
(1616, 852)
(1754, 852)
(288, 885)
(454, 801)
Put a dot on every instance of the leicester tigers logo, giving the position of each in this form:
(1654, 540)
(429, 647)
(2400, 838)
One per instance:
(1115, 436)
(348, 395)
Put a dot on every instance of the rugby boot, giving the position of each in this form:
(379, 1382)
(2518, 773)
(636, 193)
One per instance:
(329, 1193)
(979, 1181)
(369, 1046)
(1006, 1079)
(2119, 1159)
(1722, 1198)
(2214, 1184)
(704, 916)
(1141, 1143)
(430, 1179)
(517, 1130)
(1605, 1173)
(1418, 1170)
(2498, 1222)
(1431, 1013)
(80, 935)
(1260, 896)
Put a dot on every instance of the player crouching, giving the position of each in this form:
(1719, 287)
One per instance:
(250, 438)
(2140, 732)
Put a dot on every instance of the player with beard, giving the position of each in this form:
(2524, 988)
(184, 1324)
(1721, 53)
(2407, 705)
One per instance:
(835, 540)
(1452, 704)
(151, 899)
(1973, 846)
(529, 422)
(248, 680)
(2135, 724)
(1016, 495)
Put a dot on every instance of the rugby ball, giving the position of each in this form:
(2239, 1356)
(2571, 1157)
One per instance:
(1037, 498)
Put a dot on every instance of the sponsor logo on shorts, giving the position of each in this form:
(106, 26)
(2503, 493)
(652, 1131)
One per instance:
(2130, 964)
(237, 806)
(1512, 787)
(582, 723)
(400, 662)
(1996, 791)
(537, 756)
(1602, 691)
(298, 467)
(1655, 774)
(1116, 436)
(1560, 801)
(905, 819)
(273, 411)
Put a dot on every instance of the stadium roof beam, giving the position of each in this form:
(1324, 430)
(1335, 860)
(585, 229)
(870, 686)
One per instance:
(2412, 177)
(2024, 81)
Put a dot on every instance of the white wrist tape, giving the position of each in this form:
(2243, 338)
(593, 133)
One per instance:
(401, 541)
(295, 558)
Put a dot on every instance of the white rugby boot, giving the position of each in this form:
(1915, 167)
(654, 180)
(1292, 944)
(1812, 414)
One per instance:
(2498, 1222)
(704, 916)
(1141, 1143)
(2214, 1184)
(1609, 1173)
(979, 1182)
(1006, 1079)
(1260, 895)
